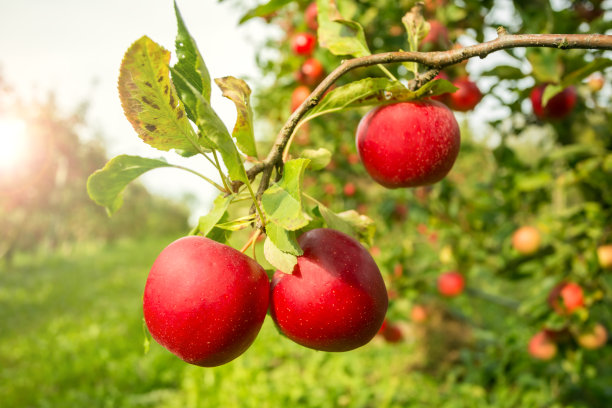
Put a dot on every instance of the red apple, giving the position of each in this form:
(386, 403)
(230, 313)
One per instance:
(298, 96)
(311, 72)
(335, 299)
(408, 144)
(604, 256)
(310, 16)
(466, 97)
(349, 189)
(451, 283)
(418, 314)
(566, 297)
(303, 43)
(392, 333)
(594, 338)
(205, 301)
(526, 240)
(558, 107)
(432, 5)
(573, 296)
(437, 37)
(541, 346)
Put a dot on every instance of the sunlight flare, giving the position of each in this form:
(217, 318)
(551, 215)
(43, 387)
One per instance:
(13, 143)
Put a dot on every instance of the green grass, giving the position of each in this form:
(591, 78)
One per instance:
(71, 335)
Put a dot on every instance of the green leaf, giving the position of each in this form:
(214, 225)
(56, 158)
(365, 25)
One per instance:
(532, 182)
(338, 35)
(545, 64)
(375, 91)
(283, 261)
(282, 202)
(575, 77)
(351, 223)
(150, 101)
(239, 92)
(319, 158)
(208, 221)
(105, 186)
(505, 72)
(237, 224)
(191, 67)
(283, 239)
(264, 9)
(217, 136)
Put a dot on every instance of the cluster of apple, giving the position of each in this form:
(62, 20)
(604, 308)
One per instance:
(206, 302)
(565, 299)
(311, 71)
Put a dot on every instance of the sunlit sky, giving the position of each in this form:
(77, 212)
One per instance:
(73, 48)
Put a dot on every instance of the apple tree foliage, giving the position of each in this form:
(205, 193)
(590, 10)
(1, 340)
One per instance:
(514, 169)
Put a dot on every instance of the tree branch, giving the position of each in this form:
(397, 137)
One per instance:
(435, 61)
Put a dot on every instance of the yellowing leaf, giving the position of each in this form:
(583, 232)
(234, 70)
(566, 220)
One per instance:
(150, 101)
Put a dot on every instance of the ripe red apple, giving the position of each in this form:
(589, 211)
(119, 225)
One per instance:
(526, 240)
(311, 72)
(205, 301)
(558, 107)
(418, 314)
(604, 256)
(335, 299)
(541, 346)
(573, 296)
(310, 16)
(392, 333)
(349, 189)
(466, 97)
(451, 283)
(408, 144)
(437, 37)
(303, 43)
(566, 297)
(298, 96)
(594, 338)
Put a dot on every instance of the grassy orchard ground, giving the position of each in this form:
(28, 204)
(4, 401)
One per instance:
(71, 336)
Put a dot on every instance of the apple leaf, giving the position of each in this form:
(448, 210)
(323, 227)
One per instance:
(105, 186)
(150, 101)
(239, 92)
(375, 91)
(264, 9)
(545, 64)
(283, 261)
(319, 158)
(338, 35)
(208, 221)
(283, 240)
(505, 72)
(282, 202)
(218, 138)
(237, 224)
(351, 223)
(575, 78)
(191, 67)
(416, 29)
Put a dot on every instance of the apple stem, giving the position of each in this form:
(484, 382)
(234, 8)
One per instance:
(250, 242)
